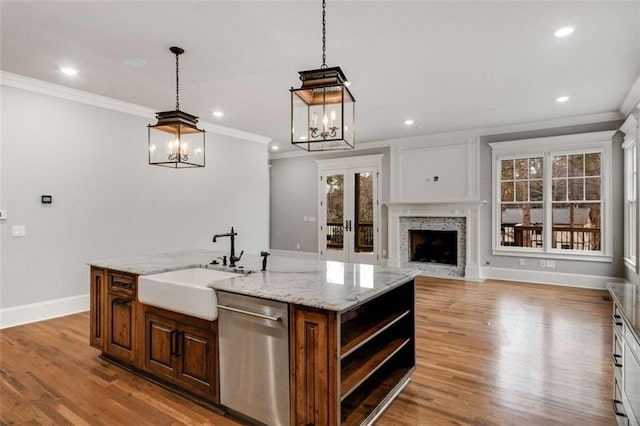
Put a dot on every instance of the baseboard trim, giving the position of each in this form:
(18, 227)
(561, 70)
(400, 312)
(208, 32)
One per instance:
(25, 314)
(296, 254)
(554, 278)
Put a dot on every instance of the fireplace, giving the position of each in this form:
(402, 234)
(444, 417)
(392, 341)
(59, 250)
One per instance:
(433, 246)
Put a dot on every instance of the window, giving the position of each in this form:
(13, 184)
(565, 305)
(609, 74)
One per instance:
(630, 201)
(550, 196)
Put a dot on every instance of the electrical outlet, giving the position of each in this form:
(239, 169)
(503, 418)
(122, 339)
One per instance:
(543, 263)
(306, 218)
(3, 214)
(18, 231)
(298, 246)
(521, 261)
(551, 263)
(312, 218)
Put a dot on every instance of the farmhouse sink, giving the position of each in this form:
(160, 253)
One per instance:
(183, 291)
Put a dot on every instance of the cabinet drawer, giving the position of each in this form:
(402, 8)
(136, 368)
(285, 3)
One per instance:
(122, 283)
(617, 355)
(618, 322)
(618, 408)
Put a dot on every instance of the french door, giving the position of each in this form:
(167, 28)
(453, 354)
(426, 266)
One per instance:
(348, 209)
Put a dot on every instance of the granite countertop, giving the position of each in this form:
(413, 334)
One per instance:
(627, 296)
(334, 286)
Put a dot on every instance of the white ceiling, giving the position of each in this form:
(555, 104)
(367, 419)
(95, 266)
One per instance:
(447, 65)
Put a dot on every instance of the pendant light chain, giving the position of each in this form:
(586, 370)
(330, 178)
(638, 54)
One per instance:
(177, 83)
(324, 34)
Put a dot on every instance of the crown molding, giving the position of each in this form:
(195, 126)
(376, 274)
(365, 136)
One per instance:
(457, 137)
(632, 100)
(80, 96)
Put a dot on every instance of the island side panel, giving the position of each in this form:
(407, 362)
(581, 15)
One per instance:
(98, 292)
(314, 363)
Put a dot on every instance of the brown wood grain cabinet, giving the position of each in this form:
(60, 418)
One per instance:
(182, 350)
(346, 366)
(313, 359)
(121, 328)
(98, 294)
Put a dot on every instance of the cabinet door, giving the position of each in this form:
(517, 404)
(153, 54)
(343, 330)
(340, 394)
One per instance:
(196, 356)
(160, 336)
(121, 327)
(313, 360)
(98, 294)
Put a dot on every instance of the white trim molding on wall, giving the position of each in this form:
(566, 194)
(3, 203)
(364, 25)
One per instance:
(68, 93)
(33, 312)
(552, 278)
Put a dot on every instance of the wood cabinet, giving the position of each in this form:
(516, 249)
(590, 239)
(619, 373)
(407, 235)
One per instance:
(98, 295)
(348, 365)
(121, 318)
(313, 346)
(181, 350)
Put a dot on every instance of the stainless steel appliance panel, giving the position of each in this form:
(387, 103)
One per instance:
(254, 357)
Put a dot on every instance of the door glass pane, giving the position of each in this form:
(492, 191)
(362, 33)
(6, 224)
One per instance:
(363, 217)
(335, 212)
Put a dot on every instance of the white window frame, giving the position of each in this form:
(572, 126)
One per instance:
(547, 148)
(631, 183)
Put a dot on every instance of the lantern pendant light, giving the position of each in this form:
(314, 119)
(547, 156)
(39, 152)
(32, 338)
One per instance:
(323, 109)
(175, 140)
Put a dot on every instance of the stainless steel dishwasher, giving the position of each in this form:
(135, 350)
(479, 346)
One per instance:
(254, 357)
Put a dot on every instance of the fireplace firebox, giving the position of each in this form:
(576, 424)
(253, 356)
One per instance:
(431, 246)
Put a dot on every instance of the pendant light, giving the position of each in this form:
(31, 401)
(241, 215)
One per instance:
(323, 109)
(175, 140)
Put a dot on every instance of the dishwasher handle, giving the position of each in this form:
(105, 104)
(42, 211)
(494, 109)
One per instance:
(253, 314)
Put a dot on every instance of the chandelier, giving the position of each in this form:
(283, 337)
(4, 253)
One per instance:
(323, 109)
(175, 140)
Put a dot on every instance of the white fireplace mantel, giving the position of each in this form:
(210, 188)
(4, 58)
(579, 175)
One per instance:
(467, 208)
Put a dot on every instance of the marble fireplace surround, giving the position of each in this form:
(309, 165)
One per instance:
(467, 209)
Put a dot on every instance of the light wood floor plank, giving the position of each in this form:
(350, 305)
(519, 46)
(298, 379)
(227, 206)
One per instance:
(497, 353)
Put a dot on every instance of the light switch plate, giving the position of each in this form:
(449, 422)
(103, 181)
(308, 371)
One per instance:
(18, 231)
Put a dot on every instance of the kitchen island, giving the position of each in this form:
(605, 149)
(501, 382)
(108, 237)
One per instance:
(350, 329)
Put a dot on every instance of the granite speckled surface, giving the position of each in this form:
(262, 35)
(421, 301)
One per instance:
(627, 296)
(334, 286)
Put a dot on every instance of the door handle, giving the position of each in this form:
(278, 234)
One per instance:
(177, 342)
(253, 314)
(615, 403)
(615, 357)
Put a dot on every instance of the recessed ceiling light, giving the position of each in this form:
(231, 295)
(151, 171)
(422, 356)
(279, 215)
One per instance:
(303, 138)
(218, 114)
(68, 70)
(408, 122)
(275, 148)
(564, 31)
(347, 83)
(562, 99)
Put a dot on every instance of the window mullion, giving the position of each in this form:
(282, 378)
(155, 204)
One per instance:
(547, 222)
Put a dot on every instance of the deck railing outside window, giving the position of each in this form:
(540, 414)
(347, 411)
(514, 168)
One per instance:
(568, 238)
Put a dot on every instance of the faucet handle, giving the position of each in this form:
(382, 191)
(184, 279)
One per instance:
(240, 257)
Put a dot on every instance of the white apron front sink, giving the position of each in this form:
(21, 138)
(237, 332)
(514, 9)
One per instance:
(184, 291)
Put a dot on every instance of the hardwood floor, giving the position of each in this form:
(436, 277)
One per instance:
(496, 353)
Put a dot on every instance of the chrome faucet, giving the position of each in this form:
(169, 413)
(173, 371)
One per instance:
(232, 256)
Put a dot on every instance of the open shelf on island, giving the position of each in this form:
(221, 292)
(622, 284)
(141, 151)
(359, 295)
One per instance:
(363, 364)
(362, 329)
(362, 403)
(377, 353)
